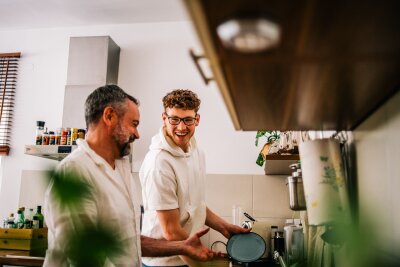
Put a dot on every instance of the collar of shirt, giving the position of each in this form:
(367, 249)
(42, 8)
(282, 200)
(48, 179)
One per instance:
(100, 161)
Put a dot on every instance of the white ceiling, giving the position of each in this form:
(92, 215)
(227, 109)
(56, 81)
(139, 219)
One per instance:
(31, 14)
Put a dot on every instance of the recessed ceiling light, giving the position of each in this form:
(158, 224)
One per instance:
(249, 35)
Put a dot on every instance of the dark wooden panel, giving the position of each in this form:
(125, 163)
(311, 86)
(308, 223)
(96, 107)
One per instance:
(337, 62)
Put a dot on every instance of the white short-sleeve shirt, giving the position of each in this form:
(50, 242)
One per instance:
(116, 201)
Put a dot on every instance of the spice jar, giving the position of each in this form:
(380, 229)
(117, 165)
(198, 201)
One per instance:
(52, 138)
(39, 132)
(45, 137)
(81, 133)
(74, 135)
(68, 136)
(58, 136)
(63, 139)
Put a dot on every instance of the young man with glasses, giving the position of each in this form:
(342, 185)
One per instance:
(173, 176)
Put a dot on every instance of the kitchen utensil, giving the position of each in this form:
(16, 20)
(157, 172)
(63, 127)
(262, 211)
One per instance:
(296, 193)
(249, 217)
(247, 224)
(294, 244)
(279, 242)
(262, 228)
(295, 188)
(246, 247)
(324, 180)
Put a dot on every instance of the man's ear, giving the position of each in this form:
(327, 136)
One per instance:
(164, 118)
(197, 119)
(108, 115)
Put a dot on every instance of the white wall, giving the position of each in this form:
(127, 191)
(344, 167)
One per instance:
(378, 158)
(154, 60)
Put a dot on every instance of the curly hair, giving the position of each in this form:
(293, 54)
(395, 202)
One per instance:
(183, 99)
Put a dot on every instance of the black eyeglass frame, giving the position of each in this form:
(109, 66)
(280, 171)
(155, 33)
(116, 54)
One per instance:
(181, 119)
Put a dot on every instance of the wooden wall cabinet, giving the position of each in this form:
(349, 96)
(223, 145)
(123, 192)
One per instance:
(336, 63)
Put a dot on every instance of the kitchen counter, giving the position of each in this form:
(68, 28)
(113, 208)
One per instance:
(19, 258)
(225, 263)
(220, 263)
(22, 258)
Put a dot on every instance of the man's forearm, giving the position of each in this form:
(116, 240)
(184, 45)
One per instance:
(161, 248)
(214, 221)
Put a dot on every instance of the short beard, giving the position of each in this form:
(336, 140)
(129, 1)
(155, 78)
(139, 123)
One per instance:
(123, 144)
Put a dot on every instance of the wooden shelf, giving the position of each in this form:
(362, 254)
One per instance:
(276, 164)
(331, 70)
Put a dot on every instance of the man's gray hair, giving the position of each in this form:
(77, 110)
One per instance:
(105, 96)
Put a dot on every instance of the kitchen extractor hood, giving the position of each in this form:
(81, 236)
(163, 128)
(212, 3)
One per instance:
(92, 62)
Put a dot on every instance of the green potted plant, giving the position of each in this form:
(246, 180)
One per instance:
(271, 137)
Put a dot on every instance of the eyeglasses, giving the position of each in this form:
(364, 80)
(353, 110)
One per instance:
(188, 121)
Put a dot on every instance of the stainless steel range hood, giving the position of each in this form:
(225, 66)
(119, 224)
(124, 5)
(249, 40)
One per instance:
(92, 62)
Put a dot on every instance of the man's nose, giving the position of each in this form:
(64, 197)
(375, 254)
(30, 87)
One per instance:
(181, 125)
(136, 134)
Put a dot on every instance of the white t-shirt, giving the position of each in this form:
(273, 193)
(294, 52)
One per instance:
(172, 179)
(115, 201)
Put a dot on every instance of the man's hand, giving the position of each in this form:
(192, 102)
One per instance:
(231, 229)
(222, 226)
(196, 250)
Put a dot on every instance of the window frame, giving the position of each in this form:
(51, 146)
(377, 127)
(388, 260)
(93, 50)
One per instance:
(8, 79)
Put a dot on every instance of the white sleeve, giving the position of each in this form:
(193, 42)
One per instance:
(160, 190)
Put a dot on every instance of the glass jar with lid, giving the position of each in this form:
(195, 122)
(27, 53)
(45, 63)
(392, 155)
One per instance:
(39, 132)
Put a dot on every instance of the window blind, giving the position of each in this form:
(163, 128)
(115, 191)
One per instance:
(8, 80)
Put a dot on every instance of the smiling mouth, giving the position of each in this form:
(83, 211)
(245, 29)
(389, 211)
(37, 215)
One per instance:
(181, 134)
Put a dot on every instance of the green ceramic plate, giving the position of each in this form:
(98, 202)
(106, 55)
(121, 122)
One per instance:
(246, 247)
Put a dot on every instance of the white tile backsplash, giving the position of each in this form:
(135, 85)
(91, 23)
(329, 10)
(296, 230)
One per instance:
(270, 197)
(33, 187)
(264, 197)
(225, 190)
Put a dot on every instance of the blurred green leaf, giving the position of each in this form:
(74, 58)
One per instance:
(335, 235)
(91, 245)
(69, 188)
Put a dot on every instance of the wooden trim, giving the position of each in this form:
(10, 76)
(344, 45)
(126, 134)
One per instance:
(4, 150)
(9, 69)
(21, 261)
(4, 89)
(196, 11)
(18, 54)
(282, 157)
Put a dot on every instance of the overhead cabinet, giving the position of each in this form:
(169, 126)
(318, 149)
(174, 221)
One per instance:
(336, 62)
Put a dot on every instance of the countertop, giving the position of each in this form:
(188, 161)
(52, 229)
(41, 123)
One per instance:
(19, 258)
(225, 263)
(220, 263)
(22, 258)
